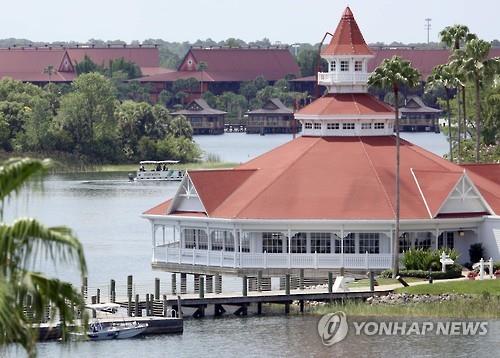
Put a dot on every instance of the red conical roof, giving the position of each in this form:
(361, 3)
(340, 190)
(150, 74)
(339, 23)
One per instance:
(347, 39)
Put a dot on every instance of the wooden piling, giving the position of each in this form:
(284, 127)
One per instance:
(129, 306)
(301, 279)
(259, 307)
(129, 285)
(244, 291)
(372, 280)
(147, 304)
(287, 284)
(301, 305)
(85, 287)
(330, 282)
(98, 296)
(179, 307)
(165, 307)
(138, 313)
(201, 283)
(112, 291)
(174, 283)
(93, 300)
(157, 288)
(259, 281)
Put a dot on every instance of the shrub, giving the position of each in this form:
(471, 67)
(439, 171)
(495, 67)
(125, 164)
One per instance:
(476, 251)
(420, 259)
(452, 271)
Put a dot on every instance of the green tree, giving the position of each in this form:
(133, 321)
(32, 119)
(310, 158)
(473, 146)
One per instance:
(87, 66)
(392, 74)
(180, 127)
(454, 37)
(23, 244)
(87, 114)
(201, 67)
(443, 76)
(477, 68)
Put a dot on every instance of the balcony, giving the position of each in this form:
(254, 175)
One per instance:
(170, 254)
(333, 78)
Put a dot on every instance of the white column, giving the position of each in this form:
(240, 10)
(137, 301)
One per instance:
(437, 238)
(153, 240)
(234, 245)
(289, 247)
(163, 233)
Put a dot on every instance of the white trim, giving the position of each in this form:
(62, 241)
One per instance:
(462, 178)
(421, 193)
(178, 194)
(346, 117)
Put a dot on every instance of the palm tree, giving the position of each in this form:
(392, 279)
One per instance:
(393, 74)
(454, 36)
(443, 76)
(477, 68)
(23, 245)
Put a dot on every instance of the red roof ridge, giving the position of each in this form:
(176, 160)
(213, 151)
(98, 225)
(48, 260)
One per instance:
(278, 176)
(153, 211)
(431, 156)
(372, 167)
(220, 170)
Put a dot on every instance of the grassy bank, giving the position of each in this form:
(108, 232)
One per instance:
(480, 307)
(483, 302)
(488, 287)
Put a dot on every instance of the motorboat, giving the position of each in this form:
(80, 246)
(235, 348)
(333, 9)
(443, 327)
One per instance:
(157, 170)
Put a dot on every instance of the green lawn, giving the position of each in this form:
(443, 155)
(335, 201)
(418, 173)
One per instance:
(477, 287)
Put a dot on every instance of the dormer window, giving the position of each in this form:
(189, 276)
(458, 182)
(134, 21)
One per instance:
(358, 66)
(317, 125)
(348, 126)
(344, 66)
(333, 66)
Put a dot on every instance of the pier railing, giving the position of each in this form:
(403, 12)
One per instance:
(165, 254)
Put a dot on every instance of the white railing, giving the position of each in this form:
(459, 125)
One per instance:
(330, 78)
(165, 254)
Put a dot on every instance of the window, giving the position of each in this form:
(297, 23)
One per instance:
(349, 245)
(358, 66)
(308, 125)
(347, 125)
(423, 241)
(332, 126)
(217, 238)
(344, 66)
(299, 243)
(195, 238)
(272, 242)
(222, 240)
(317, 125)
(366, 126)
(449, 241)
(369, 242)
(379, 125)
(333, 66)
(404, 242)
(245, 244)
(320, 242)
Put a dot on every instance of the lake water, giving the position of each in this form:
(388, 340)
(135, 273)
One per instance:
(104, 211)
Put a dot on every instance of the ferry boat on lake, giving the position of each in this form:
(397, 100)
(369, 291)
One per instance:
(157, 170)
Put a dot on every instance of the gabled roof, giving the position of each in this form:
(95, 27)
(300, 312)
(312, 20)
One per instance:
(199, 106)
(272, 106)
(335, 178)
(346, 104)
(141, 56)
(29, 64)
(414, 104)
(347, 39)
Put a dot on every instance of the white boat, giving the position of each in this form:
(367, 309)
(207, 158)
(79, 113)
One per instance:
(157, 170)
(130, 329)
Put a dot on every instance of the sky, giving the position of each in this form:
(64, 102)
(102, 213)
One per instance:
(286, 21)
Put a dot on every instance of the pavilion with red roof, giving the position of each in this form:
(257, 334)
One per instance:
(326, 200)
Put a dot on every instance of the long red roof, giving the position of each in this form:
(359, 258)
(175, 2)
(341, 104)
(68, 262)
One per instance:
(347, 39)
(335, 178)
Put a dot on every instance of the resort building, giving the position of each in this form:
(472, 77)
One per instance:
(273, 117)
(30, 64)
(417, 117)
(225, 68)
(203, 118)
(326, 200)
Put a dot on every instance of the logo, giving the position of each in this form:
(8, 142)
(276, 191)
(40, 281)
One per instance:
(332, 328)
